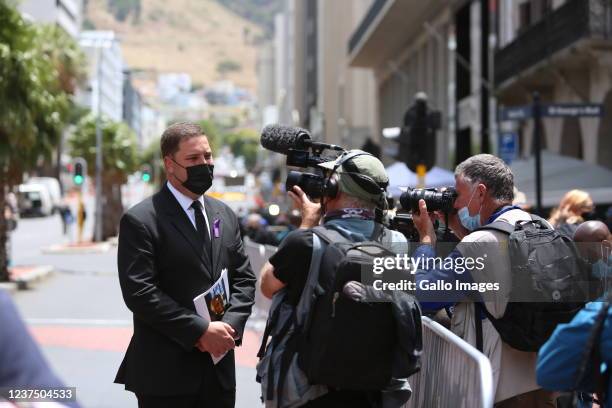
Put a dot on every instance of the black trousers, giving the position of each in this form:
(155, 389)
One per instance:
(211, 395)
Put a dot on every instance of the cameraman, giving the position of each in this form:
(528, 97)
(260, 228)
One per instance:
(484, 185)
(352, 213)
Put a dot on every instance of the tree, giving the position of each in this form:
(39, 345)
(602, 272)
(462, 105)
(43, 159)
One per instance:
(120, 159)
(245, 143)
(34, 106)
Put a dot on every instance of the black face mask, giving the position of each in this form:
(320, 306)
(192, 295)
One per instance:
(199, 177)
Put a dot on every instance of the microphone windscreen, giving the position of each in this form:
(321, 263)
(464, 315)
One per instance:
(280, 139)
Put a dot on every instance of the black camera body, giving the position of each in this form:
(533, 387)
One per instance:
(310, 183)
(436, 200)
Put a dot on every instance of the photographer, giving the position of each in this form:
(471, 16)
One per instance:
(484, 185)
(351, 212)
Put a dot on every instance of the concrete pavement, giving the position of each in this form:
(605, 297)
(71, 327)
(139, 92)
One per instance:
(81, 323)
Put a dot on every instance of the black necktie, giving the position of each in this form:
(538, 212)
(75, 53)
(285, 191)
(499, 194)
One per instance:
(201, 227)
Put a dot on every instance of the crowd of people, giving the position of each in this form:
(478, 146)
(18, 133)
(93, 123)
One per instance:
(331, 340)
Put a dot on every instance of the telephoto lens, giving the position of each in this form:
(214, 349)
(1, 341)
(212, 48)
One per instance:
(436, 200)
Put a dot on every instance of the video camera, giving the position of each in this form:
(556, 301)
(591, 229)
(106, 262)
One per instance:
(303, 152)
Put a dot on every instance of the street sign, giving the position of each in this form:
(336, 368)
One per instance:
(508, 146)
(515, 113)
(573, 110)
(556, 110)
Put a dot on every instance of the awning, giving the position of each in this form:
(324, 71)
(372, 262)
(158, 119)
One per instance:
(401, 176)
(561, 174)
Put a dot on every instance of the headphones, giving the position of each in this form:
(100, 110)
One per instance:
(330, 187)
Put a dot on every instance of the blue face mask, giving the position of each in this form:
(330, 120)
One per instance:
(601, 269)
(470, 222)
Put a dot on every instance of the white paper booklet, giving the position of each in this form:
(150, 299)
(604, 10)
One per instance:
(212, 304)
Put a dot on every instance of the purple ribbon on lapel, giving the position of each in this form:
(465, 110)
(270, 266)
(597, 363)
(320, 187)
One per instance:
(217, 228)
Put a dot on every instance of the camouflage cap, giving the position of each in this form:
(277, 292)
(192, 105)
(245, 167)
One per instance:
(356, 173)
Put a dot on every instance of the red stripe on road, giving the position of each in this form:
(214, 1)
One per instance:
(85, 338)
(246, 354)
(117, 339)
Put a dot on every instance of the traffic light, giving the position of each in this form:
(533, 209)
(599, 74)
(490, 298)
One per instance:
(417, 140)
(79, 169)
(145, 173)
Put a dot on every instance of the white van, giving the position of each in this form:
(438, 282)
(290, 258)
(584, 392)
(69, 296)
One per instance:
(53, 187)
(34, 200)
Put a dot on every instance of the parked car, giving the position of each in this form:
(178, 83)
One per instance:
(53, 187)
(34, 200)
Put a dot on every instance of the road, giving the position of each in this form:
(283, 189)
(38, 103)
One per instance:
(82, 325)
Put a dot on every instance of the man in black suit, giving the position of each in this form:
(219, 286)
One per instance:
(172, 247)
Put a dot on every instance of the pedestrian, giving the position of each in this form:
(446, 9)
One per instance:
(174, 246)
(484, 185)
(22, 365)
(257, 230)
(578, 356)
(574, 208)
(67, 217)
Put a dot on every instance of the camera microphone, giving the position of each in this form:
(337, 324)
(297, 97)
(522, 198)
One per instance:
(280, 139)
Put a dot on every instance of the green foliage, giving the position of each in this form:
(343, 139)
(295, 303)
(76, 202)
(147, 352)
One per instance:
(227, 66)
(122, 9)
(38, 69)
(119, 147)
(33, 72)
(260, 12)
(245, 143)
(212, 132)
(88, 25)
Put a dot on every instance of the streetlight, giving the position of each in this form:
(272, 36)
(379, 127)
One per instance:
(99, 44)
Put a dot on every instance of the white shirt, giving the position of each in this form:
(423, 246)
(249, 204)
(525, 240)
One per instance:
(186, 203)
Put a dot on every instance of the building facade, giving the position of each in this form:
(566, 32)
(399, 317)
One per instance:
(103, 92)
(67, 14)
(408, 45)
(132, 106)
(560, 49)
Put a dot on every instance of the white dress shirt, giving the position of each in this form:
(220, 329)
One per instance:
(186, 203)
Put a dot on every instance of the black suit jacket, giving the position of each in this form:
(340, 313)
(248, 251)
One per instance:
(162, 267)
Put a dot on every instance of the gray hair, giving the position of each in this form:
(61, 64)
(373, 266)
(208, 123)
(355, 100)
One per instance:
(491, 171)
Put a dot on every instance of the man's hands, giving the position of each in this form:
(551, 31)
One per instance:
(311, 212)
(423, 223)
(217, 339)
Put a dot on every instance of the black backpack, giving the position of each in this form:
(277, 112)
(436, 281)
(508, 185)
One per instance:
(549, 284)
(355, 336)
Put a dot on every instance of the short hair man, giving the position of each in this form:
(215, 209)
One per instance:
(173, 246)
(484, 185)
(351, 212)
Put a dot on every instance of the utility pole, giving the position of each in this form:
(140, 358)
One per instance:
(98, 219)
(537, 143)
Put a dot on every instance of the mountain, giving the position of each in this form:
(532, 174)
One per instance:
(200, 37)
(260, 12)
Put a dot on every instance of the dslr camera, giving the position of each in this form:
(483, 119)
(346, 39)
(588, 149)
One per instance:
(436, 199)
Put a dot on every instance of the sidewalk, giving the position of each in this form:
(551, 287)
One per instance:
(25, 277)
(81, 248)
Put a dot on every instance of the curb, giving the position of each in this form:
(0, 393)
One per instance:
(36, 275)
(10, 287)
(99, 248)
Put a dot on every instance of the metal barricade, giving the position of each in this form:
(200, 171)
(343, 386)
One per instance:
(258, 255)
(453, 373)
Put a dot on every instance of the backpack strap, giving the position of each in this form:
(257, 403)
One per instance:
(301, 310)
(501, 226)
(329, 235)
(478, 324)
